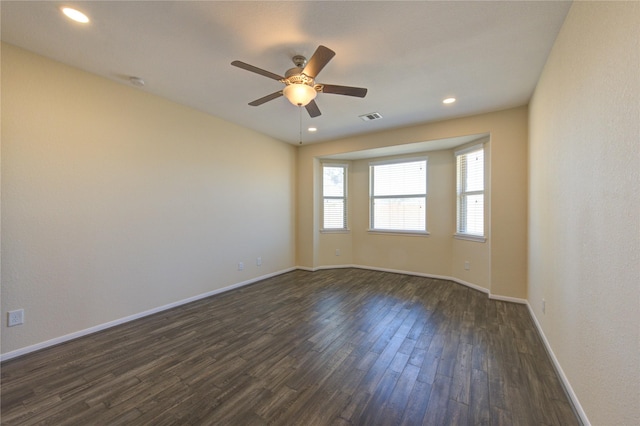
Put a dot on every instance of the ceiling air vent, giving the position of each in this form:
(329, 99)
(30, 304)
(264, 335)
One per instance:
(371, 116)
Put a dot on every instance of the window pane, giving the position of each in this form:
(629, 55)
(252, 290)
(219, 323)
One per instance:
(470, 205)
(333, 181)
(472, 214)
(333, 214)
(400, 178)
(474, 179)
(406, 214)
(334, 192)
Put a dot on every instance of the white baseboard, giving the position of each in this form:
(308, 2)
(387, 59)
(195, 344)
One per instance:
(425, 275)
(100, 327)
(508, 299)
(556, 365)
(320, 268)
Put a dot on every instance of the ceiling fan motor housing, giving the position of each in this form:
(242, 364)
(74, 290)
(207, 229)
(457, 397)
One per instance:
(294, 76)
(299, 60)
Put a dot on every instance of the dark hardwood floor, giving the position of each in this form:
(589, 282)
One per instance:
(335, 347)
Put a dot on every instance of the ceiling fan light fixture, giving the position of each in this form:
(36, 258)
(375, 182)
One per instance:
(299, 94)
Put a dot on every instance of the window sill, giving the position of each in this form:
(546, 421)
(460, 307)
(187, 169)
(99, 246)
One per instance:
(467, 237)
(335, 231)
(401, 233)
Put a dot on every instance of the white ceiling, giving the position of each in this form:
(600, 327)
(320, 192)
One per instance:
(410, 55)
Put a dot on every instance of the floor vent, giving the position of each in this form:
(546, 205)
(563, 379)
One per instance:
(371, 116)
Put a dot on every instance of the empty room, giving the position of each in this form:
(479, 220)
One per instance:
(320, 213)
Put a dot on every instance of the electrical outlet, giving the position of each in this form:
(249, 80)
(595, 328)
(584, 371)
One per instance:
(15, 317)
(337, 252)
(259, 261)
(240, 266)
(544, 306)
(467, 265)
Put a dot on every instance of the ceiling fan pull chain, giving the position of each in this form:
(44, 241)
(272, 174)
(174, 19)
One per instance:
(300, 109)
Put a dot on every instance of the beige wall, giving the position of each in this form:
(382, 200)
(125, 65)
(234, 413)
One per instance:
(499, 265)
(584, 207)
(416, 253)
(115, 201)
(402, 252)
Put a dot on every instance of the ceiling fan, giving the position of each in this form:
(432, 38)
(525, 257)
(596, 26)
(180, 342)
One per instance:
(300, 86)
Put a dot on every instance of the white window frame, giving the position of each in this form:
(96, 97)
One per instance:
(373, 197)
(462, 194)
(345, 168)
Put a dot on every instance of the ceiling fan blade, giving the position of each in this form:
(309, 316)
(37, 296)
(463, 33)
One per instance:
(312, 109)
(267, 98)
(257, 70)
(320, 58)
(359, 92)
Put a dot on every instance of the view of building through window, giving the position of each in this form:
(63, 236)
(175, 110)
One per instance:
(399, 195)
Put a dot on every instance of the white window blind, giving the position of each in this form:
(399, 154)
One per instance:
(334, 194)
(470, 191)
(399, 195)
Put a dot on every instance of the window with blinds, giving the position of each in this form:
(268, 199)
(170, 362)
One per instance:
(470, 191)
(398, 195)
(334, 195)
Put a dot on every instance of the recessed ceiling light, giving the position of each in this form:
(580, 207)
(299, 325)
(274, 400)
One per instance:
(312, 129)
(449, 101)
(76, 15)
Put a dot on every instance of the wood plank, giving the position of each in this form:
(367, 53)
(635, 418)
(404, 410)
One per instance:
(394, 405)
(461, 385)
(479, 410)
(436, 413)
(416, 404)
(373, 410)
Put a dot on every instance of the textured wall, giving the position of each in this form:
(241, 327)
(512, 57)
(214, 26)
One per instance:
(584, 207)
(115, 202)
